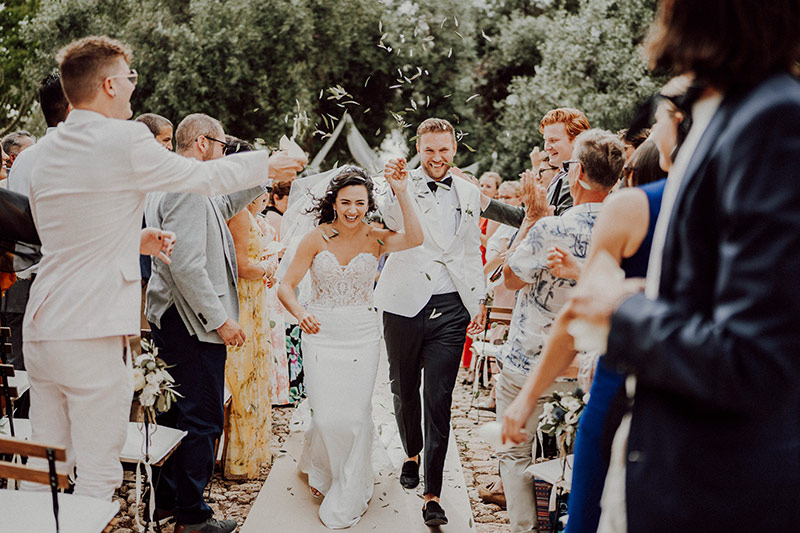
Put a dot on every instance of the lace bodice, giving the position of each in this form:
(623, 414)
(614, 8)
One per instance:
(334, 285)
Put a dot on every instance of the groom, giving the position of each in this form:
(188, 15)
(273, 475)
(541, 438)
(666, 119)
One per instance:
(429, 295)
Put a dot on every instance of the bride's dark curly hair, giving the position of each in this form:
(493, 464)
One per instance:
(348, 176)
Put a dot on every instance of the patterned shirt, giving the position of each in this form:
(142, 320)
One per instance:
(540, 301)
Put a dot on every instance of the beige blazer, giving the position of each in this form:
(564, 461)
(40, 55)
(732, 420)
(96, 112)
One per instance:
(88, 190)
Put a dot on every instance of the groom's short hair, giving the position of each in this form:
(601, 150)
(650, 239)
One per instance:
(85, 63)
(435, 125)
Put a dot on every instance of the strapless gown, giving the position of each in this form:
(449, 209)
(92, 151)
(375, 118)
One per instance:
(341, 362)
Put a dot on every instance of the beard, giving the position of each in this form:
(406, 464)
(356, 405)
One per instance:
(208, 155)
(435, 173)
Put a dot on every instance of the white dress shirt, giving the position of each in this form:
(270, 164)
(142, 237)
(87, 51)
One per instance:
(450, 216)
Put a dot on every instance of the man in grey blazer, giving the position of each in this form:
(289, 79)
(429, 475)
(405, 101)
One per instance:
(193, 308)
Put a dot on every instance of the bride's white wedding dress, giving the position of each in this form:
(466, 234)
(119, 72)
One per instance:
(341, 362)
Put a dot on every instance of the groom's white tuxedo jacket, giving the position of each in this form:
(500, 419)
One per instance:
(407, 281)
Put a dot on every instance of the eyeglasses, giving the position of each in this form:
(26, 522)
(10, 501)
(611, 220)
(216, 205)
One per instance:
(507, 197)
(543, 170)
(223, 143)
(132, 76)
(566, 164)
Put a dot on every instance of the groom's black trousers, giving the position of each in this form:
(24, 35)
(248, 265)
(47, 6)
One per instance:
(433, 340)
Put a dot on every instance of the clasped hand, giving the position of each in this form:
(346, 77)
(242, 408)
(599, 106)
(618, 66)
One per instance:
(396, 175)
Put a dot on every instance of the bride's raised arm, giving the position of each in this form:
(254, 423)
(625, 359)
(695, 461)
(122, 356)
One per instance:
(396, 175)
(308, 248)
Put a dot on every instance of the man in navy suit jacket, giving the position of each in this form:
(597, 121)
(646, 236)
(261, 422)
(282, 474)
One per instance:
(714, 442)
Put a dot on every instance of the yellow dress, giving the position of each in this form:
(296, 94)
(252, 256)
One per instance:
(247, 374)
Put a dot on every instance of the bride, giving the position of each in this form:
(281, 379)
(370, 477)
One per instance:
(341, 338)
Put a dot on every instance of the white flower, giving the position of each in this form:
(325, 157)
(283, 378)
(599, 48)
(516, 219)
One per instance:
(163, 403)
(154, 377)
(571, 403)
(586, 398)
(140, 359)
(571, 418)
(138, 379)
(148, 395)
(547, 409)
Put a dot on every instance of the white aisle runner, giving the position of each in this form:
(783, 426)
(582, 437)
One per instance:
(285, 503)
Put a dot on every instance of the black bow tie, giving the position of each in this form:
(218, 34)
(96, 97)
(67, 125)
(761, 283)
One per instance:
(434, 185)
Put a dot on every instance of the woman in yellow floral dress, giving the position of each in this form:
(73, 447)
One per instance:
(249, 368)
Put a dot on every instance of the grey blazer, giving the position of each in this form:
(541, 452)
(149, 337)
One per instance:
(201, 281)
(504, 214)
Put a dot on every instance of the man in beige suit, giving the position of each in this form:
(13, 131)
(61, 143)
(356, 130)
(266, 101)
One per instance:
(87, 195)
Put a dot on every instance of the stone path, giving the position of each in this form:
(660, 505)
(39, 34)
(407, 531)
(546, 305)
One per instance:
(285, 502)
(234, 500)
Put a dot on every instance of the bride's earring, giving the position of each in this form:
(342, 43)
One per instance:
(335, 214)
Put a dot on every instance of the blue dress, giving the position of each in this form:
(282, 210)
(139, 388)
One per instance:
(600, 418)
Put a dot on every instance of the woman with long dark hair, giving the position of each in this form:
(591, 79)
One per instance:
(341, 342)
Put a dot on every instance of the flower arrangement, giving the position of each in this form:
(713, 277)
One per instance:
(560, 417)
(153, 386)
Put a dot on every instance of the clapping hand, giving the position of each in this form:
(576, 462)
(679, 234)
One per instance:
(396, 175)
(158, 243)
(562, 264)
(536, 156)
(534, 196)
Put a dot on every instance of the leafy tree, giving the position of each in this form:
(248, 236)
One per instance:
(15, 97)
(592, 62)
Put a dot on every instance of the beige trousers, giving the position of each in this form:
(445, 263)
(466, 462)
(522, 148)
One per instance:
(518, 486)
(81, 393)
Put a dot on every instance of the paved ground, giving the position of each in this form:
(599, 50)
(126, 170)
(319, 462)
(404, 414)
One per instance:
(234, 499)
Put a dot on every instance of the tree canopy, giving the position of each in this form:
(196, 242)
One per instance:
(272, 67)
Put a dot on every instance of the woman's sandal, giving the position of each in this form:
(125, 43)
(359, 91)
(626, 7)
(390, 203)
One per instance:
(314, 492)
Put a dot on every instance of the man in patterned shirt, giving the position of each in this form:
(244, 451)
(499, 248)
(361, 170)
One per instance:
(595, 168)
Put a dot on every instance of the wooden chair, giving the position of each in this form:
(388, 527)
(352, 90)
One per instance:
(485, 352)
(25, 510)
(5, 343)
(8, 394)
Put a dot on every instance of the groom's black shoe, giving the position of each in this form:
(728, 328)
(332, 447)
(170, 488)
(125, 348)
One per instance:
(409, 475)
(433, 514)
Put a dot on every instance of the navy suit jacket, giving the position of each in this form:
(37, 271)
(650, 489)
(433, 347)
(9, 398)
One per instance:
(715, 434)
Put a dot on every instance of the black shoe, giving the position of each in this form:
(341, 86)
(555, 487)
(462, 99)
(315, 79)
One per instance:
(409, 475)
(433, 514)
(209, 526)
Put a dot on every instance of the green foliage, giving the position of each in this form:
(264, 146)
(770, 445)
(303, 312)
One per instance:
(15, 97)
(272, 67)
(593, 63)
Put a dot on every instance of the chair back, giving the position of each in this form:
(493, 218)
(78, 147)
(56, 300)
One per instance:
(5, 343)
(10, 470)
(8, 394)
(498, 315)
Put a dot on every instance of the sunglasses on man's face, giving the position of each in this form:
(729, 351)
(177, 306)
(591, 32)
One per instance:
(132, 76)
(566, 164)
(223, 143)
